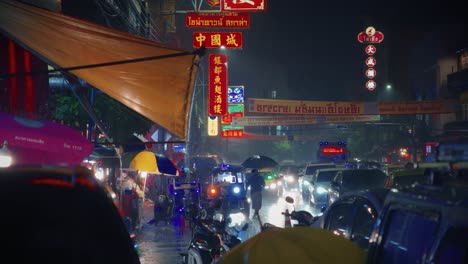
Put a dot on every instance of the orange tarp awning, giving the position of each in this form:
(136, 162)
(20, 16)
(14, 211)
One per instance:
(161, 90)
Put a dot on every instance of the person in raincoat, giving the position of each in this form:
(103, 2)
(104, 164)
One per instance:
(256, 184)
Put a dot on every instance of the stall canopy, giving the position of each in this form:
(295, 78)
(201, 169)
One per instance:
(158, 83)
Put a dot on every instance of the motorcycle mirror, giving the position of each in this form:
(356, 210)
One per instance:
(245, 226)
(289, 199)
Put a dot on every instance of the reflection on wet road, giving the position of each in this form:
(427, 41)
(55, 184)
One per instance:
(163, 244)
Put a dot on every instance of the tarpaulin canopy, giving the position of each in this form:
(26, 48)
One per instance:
(34, 142)
(159, 89)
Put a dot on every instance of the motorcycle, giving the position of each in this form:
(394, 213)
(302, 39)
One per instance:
(303, 218)
(211, 239)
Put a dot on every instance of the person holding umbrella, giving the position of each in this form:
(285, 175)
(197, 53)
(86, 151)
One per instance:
(256, 183)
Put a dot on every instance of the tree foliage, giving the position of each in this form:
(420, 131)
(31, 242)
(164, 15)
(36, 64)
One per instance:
(119, 122)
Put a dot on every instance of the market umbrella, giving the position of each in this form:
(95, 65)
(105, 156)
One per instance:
(295, 245)
(259, 162)
(150, 162)
(35, 142)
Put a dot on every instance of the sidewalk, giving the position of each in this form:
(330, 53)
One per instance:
(161, 244)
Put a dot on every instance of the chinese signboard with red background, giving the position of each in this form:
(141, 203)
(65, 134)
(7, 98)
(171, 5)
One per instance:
(370, 36)
(214, 40)
(243, 5)
(217, 86)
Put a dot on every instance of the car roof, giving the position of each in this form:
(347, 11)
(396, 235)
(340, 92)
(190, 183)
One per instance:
(450, 194)
(331, 169)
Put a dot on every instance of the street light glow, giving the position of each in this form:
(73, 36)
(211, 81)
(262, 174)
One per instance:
(389, 86)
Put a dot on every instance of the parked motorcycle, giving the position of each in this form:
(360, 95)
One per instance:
(303, 218)
(211, 239)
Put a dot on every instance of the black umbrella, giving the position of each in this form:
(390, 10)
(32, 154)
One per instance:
(259, 162)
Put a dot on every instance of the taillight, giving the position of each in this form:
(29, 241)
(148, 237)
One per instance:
(388, 183)
(212, 191)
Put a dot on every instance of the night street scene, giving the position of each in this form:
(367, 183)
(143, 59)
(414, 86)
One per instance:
(234, 131)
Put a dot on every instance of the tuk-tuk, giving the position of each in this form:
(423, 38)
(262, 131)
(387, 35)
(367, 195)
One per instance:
(228, 183)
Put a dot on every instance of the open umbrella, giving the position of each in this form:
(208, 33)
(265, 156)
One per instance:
(295, 245)
(259, 162)
(35, 142)
(150, 162)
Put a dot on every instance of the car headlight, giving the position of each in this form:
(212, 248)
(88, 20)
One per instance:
(236, 189)
(321, 190)
(279, 183)
(273, 186)
(290, 178)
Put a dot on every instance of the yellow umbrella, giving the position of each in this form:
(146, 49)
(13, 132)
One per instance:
(295, 245)
(145, 161)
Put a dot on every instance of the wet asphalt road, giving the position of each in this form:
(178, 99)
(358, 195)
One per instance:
(164, 243)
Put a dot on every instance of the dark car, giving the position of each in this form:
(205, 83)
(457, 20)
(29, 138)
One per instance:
(422, 224)
(319, 185)
(353, 215)
(306, 177)
(61, 215)
(355, 180)
(287, 178)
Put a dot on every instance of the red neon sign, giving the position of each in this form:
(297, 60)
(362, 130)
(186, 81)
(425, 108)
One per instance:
(214, 40)
(217, 86)
(333, 150)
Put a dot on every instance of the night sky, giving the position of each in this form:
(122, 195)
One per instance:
(309, 50)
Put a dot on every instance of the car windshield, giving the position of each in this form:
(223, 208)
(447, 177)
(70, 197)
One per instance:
(326, 176)
(289, 169)
(360, 179)
(311, 169)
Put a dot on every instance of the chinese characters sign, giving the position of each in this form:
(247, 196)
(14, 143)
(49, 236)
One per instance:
(370, 36)
(217, 86)
(217, 20)
(213, 40)
(243, 5)
(234, 110)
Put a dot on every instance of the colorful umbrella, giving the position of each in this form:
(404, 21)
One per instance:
(34, 142)
(150, 162)
(259, 162)
(295, 245)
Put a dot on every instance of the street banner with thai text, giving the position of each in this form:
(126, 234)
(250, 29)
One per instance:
(342, 108)
(418, 107)
(217, 86)
(214, 40)
(217, 20)
(300, 120)
(292, 107)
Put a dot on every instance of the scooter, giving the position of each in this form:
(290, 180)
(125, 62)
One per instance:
(210, 241)
(303, 218)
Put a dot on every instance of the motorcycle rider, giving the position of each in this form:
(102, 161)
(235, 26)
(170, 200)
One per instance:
(256, 183)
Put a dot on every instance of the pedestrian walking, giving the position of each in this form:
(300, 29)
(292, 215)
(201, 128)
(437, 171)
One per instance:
(256, 183)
